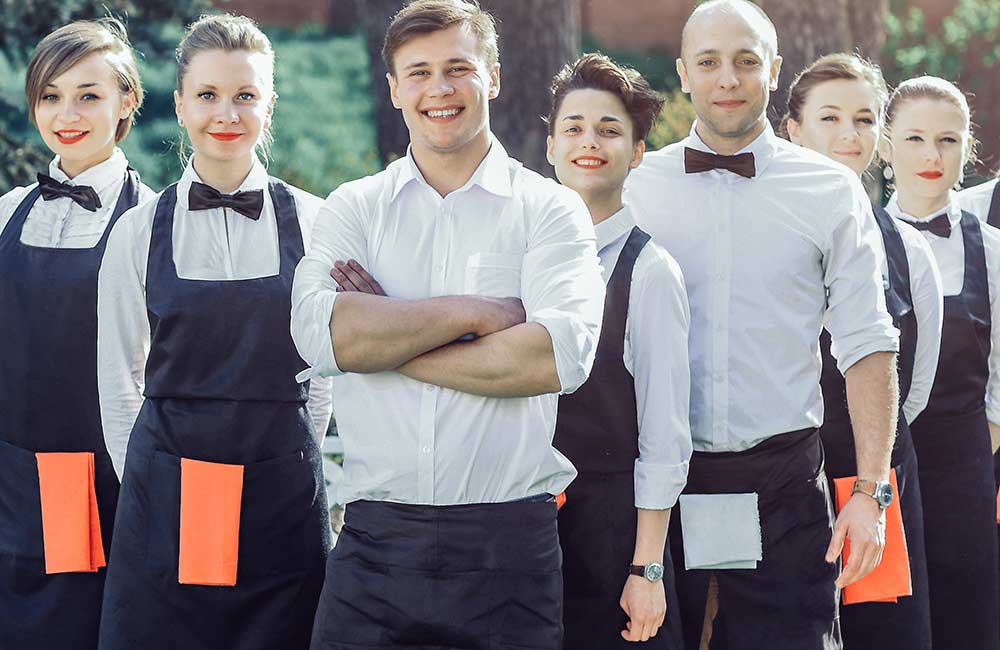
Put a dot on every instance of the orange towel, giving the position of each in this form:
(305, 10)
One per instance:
(211, 494)
(560, 500)
(891, 578)
(71, 525)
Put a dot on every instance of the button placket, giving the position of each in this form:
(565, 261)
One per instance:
(721, 301)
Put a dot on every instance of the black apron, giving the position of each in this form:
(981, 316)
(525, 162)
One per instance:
(49, 403)
(906, 624)
(597, 429)
(952, 440)
(461, 577)
(220, 387)
(993, 216)
(789, 601)
(993, 219)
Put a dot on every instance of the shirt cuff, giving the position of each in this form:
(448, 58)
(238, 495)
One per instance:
(658, 485)
(315, 343)
(573, 345)
(992, 410)
(850, 350)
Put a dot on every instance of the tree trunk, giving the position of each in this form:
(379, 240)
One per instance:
(537, 37)
(867, 25)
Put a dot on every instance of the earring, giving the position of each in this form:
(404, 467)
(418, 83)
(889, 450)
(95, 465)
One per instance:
(180, 122)
(887, 172)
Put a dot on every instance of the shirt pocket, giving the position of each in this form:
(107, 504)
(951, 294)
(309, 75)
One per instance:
(494, 275)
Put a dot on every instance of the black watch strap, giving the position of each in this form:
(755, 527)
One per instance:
(637, 570)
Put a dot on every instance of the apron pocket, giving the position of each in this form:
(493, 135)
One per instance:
(276, 535)
(20, 505)
(163, 514)
(531, 611)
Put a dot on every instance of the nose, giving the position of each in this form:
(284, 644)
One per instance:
(850, 135)
(589, 140)
(69, 113)
(227, 113)
(727, 76)
(442, 86)
(931, 153)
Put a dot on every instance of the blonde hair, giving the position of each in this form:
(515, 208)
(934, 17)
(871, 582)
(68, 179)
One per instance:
(228, 33)
(933, 88)
(70, 44)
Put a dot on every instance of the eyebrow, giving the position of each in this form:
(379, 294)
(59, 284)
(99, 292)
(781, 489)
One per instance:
(423, 64)
(604, 118)
(835, 107)
(89, 84)
(719, 53)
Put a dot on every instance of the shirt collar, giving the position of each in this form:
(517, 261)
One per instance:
(762, 147)
(492, 174)
(953, 209)
(100, 177)
(614, 228)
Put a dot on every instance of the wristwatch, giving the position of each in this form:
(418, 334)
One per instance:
(881, 491)
(652, 571)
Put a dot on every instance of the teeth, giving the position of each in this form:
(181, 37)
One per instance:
(447, 113)
(589, 162)
(70, 134)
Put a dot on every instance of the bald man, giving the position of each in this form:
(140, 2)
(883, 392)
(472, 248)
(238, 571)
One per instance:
(775, 242)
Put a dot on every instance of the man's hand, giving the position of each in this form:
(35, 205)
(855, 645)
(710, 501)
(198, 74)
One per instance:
(646, 606)
(351, 276)
(863, 522)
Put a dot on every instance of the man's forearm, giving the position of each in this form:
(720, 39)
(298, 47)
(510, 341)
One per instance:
(995, 436)
(515, 362)
(375, 333)
(873, 402)
(650, 535)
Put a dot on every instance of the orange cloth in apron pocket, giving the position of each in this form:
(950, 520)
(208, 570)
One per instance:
(71, 525)
(891, 578)
(211, 496)
(998, 491)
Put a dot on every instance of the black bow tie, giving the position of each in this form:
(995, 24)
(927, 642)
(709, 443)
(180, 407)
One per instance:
(939, 225)
(696, 161)
(203, 197)
(83, 195)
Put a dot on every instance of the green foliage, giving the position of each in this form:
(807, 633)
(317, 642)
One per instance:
(657, 67)
(674, 121)
(970, 34)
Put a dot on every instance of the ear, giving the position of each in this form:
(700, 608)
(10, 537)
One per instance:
(637, 151)
(393, 89)
(495, 81)
(794, 130)
(550, 150)
(682, 73)
(885, 148)
(177, 104)
(270, 110)
(775, 72)
(128, 105)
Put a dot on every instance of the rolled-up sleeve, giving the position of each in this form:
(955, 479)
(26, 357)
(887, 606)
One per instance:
(991, 241)
(856, 317)
(339, 234)
(656, 353)
(561, 284)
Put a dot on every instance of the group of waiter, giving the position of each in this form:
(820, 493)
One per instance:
(536, 382)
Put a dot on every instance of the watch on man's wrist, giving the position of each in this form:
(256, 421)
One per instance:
(881, 491)
(652, 571)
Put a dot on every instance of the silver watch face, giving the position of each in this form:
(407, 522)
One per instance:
(654, 572)
(884, 494)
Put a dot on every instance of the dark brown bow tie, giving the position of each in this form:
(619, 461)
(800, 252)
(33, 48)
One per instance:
(83, 195)
(939, 225)
(204, 197)
(696, 161)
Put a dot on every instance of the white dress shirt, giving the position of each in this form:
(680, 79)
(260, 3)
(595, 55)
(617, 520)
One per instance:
(977, 199)
(927, 295)
(950, 255)
(506, 232)
(656, 355)
(765, 260)
(61, 223)
(216, 244)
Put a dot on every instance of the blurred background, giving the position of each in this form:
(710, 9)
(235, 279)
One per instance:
(334, 123)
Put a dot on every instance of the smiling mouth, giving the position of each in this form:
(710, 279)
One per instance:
(442, 114)
(71, 137)
(730, 103)
(589, 163)
(847, 153)
(930, 175)
(225, 137)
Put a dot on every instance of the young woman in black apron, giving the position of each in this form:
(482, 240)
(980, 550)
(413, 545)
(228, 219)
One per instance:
(929, 142)
(52, 238)
(194, 303)
(835, 107)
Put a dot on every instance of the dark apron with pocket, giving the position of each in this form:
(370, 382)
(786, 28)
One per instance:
(904, 625)
(220, 387)
(49, 403)
(597, 429)
(789, 601)
(955, 458)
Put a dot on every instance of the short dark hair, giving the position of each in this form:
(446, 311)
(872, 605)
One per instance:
(597, 72)
(422, 17)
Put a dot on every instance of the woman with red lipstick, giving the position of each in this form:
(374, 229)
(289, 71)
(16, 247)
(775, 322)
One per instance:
(222, 528)
(83, 92)
(929, 143)
(835, 107)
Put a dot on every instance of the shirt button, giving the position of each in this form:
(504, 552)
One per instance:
(426, 450)
(720, 377)
(720, 276)
(439, 268)
(430, 388)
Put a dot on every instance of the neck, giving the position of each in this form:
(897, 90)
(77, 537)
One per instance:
(726, 145)
(225, 176)
(604, 205)
(921, 206)
(73, 168)
(448, 171)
